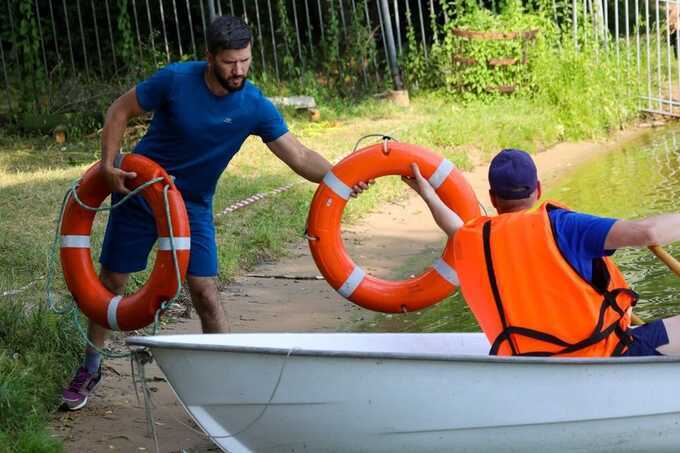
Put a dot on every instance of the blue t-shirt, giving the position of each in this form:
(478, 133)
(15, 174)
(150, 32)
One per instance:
(581, 238)
(194, 133)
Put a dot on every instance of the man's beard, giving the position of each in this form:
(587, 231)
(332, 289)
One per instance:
(225, 82)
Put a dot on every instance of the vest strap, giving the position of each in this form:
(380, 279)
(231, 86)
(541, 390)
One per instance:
(547, 338)
(625, 340)
(486, 234)
(531, 333)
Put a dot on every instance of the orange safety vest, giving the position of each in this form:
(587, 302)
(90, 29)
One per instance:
(527, 297)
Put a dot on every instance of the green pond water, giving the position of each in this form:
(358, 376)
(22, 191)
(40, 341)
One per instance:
(638, 179)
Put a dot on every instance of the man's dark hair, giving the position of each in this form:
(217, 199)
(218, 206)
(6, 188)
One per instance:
(228, 32)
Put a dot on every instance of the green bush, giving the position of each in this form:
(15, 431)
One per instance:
(564, 77)
(468, 62)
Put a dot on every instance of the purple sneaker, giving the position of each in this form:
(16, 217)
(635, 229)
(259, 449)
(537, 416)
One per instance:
(75, 396)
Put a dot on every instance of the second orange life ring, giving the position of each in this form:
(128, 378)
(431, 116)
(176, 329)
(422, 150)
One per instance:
(137, 310)
(325, 241)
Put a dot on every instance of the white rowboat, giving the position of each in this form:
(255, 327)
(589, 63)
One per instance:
(415, 393)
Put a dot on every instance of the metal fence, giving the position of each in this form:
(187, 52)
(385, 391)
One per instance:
(100, 38)
(642, 37)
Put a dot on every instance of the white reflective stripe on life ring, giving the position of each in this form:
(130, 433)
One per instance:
(340, 188)
(446, 271)
(441, 173)
(352, 282)
(111, 314)
(72, 241)
(181, 243)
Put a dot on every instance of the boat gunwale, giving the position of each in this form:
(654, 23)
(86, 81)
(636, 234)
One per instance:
(149, 342)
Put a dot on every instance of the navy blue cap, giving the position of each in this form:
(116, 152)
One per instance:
(512, 174)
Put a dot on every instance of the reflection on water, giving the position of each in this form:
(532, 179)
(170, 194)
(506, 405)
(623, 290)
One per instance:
(637, 180)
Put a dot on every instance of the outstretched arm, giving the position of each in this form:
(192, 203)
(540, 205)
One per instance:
(447, 220)
(657, 230)
(305, 162)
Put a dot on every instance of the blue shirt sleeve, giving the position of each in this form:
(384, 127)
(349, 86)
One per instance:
(270, 124)
(581, 238)
(154, 92)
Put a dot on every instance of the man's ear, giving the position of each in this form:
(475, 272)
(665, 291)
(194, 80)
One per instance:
(539, 190)
(492, 197)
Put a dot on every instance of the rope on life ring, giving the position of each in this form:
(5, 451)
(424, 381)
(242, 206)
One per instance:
(134, 311)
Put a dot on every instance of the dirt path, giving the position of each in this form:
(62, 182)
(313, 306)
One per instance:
(256, 302)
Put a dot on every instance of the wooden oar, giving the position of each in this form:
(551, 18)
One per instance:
(636, 320)
(669, 261)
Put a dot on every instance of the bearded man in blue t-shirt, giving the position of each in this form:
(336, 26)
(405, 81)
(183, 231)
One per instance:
(203, 112)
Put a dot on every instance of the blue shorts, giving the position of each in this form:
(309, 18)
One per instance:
(647, 338)
(131, 234)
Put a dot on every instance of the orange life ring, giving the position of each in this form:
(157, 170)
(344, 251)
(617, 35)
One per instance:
(98, 303)
(325, 241)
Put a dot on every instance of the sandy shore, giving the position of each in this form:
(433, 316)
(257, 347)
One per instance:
(257, 302)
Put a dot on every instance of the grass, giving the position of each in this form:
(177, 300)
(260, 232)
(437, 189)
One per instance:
(34, 174)
(35, 348)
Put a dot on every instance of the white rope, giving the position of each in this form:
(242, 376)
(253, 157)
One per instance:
(14, 292)
(255, 198)
(142, 357)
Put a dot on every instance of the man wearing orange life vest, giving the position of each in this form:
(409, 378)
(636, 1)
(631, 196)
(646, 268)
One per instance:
(540, 282)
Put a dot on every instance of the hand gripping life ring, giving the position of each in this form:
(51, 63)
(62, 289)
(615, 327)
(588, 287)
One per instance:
(325, 241)
(98, 303)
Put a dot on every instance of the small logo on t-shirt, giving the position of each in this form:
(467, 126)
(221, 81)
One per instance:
(227, 120)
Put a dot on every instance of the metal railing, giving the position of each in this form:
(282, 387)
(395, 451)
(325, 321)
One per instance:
(642, 35)
(100, 38)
